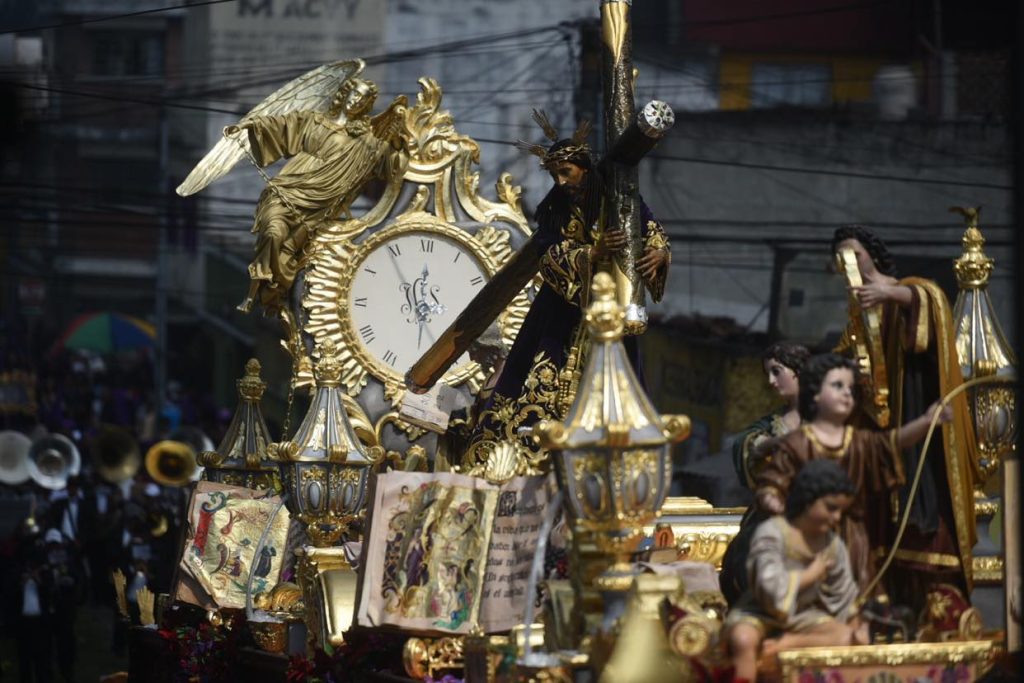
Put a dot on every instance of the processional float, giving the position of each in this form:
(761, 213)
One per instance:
(316, 270)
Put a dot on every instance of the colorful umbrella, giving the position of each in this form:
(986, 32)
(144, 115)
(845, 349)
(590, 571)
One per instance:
(106, 332)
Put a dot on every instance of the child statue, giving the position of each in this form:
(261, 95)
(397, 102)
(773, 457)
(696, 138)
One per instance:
(801, 588)
(782, 363)
(828, 386)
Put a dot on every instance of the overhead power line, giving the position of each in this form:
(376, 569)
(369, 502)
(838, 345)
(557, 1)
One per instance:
(796, 169)
(112, 17)
(830, 172)
(730, 21)
(700, 22)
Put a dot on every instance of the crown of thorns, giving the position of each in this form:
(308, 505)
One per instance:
(549, 159)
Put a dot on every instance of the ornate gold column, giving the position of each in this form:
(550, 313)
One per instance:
(983, 351)
(242, 459)
(325, 470)
(613, 460)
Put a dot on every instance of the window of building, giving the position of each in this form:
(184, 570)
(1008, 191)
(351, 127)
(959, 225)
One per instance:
(127, 53)
(788, 85)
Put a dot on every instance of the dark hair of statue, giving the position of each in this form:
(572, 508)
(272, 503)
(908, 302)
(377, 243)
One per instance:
(555, 210)
(816, 479)
(793, 356)
(871, 242)
(813, 376)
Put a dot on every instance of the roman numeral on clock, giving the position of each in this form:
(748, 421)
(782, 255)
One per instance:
(360, 301)
(367, 332)
(476, 281)
(390, 357)
(427, 246)
(395, 250)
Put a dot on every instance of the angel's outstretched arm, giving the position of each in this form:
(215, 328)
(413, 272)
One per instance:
(312, 91)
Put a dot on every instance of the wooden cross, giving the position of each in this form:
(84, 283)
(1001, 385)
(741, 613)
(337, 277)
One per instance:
(628, 138)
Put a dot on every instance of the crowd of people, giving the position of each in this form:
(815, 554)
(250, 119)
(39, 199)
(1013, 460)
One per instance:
(62, 541)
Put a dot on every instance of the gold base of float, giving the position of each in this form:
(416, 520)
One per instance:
(909, 661)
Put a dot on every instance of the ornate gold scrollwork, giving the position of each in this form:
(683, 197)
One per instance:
(498, 462)
(818, 658)
(988, 569)
(441, 167)
(423, 657)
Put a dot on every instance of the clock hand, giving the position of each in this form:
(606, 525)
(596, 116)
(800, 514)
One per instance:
(429, 308)
(394, 262)
(420, 294)
(421, 310)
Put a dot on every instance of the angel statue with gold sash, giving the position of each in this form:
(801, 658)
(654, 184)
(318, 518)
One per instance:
(321, 123)
(916, 347)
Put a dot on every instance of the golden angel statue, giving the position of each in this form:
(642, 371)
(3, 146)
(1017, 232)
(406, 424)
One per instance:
(321, 123)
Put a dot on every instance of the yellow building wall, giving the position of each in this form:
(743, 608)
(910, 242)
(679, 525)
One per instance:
(722, 388)
(851, 75)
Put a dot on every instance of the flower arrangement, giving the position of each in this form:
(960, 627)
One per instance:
(361, 652)
(204, 652)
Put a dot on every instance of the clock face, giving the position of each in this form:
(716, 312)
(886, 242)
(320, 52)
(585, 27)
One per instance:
(406, 290)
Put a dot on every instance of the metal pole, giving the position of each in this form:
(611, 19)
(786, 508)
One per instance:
(1011, 551)
(588, 96)
(781, 257)
(160, 347)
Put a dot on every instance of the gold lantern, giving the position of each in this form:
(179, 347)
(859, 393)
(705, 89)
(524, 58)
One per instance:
(242, 458)
(612, 454)
(325, 468)
(983, 350)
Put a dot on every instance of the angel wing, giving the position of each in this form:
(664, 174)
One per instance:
(389, 124)
(312, 91)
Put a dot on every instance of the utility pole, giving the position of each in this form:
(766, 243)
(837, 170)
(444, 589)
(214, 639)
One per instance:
(160, 345)
(781, 256)
(589, 93)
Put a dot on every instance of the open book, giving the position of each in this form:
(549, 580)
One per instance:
(225, 525)
(445, 552)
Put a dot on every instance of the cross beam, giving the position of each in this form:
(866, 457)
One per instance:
(628, 137)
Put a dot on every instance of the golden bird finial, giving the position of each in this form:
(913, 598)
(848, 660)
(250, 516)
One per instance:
(970, 214)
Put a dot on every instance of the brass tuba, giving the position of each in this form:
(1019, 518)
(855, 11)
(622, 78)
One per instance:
(52, 459)
(199, 442)
(194, 437)
(115, 454)
(14, 448)
(171, 462)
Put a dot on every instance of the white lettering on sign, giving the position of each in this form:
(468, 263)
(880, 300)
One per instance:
(303, 9)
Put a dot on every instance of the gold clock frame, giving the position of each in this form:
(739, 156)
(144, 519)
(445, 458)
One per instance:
(489, 252)
(440, 169)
